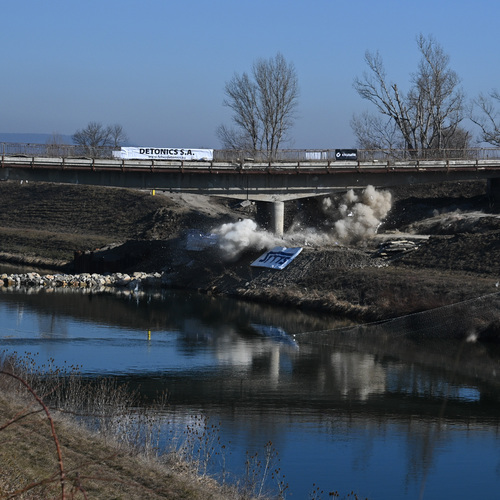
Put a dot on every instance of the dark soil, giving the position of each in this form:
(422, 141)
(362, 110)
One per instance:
(130, 230)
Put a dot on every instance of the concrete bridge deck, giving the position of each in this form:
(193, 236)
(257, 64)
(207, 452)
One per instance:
(270, 181)
(260, 181)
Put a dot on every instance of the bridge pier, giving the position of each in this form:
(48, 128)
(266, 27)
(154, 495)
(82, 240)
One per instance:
(259, 181)
(278, 218)
(271, 216)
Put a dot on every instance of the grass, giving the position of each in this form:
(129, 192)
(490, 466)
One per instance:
(62, 436)
(45, 452)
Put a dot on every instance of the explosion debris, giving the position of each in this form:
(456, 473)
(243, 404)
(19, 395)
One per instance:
(358, 217)
(236, 237)
(396, 248)
(354, 219)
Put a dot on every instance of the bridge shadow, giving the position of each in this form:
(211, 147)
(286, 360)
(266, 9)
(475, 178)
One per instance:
(118, 258)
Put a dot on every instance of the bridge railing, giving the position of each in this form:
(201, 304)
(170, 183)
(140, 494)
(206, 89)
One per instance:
(428, 154)
(54, 150)
(283, 155)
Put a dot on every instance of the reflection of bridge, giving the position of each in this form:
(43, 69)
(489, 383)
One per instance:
(274, 182)
(359, 371)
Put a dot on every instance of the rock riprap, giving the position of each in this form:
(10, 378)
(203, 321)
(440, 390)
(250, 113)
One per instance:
(85, 280)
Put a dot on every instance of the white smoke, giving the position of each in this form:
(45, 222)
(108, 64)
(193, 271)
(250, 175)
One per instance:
(236, 237)
(354, 218)
(358, 217)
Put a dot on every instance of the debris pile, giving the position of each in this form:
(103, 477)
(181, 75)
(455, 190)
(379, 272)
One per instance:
(392, 249)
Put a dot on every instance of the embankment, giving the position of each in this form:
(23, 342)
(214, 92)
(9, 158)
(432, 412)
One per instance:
(130, 231)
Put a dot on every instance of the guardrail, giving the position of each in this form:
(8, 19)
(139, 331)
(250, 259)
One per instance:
(283, 155)
(247, 167)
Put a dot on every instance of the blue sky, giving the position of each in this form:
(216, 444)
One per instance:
(159, 68)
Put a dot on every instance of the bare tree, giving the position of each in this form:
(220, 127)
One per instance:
(241, 97)
(235, 139)
(488, 119)
(428, 115)
(95, 137)
(374, 132)
(55, 139)
(117, 136)
(55, 145)
(263, 106)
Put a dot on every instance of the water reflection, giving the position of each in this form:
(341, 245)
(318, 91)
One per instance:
(385, 413)
(313, 358)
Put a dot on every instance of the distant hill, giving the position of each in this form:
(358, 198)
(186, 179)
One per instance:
(32, 138)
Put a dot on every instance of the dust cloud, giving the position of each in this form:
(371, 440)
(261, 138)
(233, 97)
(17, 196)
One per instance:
(236, 237)
(358, 217)
(353, 218)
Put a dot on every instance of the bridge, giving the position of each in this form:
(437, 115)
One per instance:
(253, 179)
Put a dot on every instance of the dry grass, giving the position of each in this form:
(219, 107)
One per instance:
(46, 454)
(317, 300)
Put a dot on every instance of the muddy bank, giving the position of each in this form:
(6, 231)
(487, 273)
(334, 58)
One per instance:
(359, 284)
(354, 283)
(455, 253)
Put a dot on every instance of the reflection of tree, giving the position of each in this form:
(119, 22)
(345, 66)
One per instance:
(422, 442)
(364, 448)
(52, 326)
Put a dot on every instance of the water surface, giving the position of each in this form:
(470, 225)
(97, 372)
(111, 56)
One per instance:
(382, 413)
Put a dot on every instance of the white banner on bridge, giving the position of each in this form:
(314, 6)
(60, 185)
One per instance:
(277, 258)
(187, 154)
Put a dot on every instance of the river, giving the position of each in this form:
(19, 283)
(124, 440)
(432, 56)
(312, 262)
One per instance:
(390, 416)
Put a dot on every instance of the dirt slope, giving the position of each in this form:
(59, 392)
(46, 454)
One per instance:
(47, 223)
